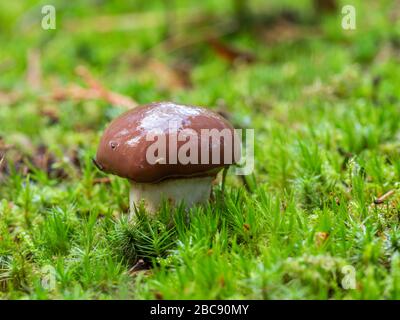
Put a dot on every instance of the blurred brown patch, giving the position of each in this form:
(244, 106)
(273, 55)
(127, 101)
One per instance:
(13, 160)
(325, 6)
(3, 150)
(4, 146)
(33, 70)
(174, 77)
(43, 160)
(285, 30)
(9, 98)
(230, 53)
(321, 237)
(394, 14)
(50, 112)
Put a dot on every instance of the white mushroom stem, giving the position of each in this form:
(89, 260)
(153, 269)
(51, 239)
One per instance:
(190, 191)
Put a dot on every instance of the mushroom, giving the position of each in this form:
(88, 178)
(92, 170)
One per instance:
(168, 152)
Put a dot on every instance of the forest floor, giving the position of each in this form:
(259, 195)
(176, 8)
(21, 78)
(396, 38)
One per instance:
(321, 209)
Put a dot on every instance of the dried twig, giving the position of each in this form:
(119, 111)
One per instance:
(88, 78)
(139, 266)
(33, 71)
(96, 91)
(382, 198)
(104, 180)
(111, 97)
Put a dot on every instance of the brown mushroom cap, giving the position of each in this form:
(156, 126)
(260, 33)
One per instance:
(123, 146)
